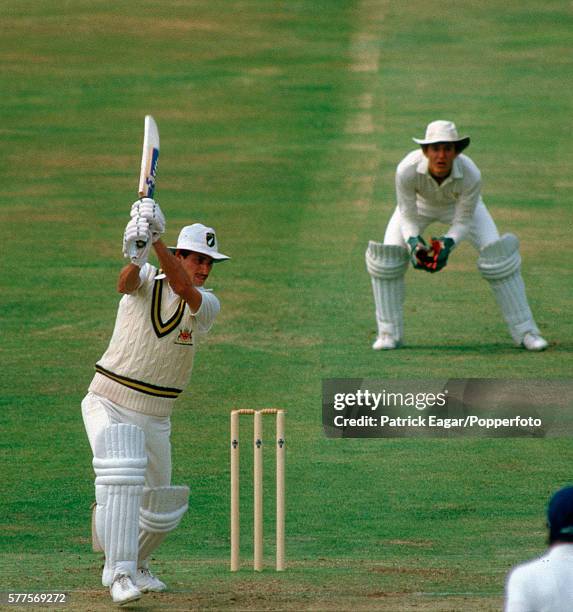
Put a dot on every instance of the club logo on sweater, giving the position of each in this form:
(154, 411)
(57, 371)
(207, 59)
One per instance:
(185, 336)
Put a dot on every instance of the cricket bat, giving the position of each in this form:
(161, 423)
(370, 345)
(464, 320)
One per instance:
(149, 159)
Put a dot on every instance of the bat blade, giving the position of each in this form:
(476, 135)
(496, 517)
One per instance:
(148, 171)
(149, 158)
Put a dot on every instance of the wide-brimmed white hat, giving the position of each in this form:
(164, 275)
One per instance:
(201, 239)
(443, 131)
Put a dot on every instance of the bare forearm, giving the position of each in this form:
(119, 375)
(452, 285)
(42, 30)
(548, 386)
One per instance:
(178, 278)
(128, 280)
(172, 268)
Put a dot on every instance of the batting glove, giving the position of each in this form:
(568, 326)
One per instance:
(149, 209)
(137, 241)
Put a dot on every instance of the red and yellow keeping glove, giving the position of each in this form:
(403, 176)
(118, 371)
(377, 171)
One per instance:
(440, 251)
(430, 258)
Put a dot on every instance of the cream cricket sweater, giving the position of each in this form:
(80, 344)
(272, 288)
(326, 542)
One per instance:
(149, 359)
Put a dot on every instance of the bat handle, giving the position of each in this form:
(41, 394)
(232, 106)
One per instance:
(139, 244)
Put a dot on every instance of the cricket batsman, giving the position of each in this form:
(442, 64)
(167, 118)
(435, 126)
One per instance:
(126, 412)
(437, 182)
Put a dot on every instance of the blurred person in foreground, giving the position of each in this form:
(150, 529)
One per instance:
(545, 584)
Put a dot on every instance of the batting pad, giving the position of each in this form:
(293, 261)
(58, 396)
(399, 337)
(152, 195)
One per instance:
(387, 265)
(162, 509)
(500, 264)
(96, 544)
(119, 464)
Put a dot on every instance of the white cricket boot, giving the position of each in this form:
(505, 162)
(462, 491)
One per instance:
(146, 582)
(534, 342)
(385, 341)
(123, 590)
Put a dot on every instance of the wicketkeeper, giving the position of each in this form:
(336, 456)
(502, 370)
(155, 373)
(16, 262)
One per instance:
(126, 412)
(437, 182)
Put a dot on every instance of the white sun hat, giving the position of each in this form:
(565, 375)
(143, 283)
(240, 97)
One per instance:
(443, 131)
(201, 239)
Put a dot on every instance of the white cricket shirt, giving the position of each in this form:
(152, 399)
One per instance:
(150, 355)
(544, 584)
(417, 192)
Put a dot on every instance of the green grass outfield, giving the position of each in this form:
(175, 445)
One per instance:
(281, 124)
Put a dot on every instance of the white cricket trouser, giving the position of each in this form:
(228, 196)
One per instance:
(99, 412)
(482, 231)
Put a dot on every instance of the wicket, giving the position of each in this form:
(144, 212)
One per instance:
(258, 487)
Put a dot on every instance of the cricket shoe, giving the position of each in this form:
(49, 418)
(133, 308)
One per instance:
(123, 590)
(385, 341)
(146, 582)
(534, 342)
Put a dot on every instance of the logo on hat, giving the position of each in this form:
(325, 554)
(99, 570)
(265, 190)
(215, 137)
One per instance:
(200, 239)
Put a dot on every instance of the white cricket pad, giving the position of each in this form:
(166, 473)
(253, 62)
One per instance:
(96, 544)
(162, 509)
(119, 464)
(387, 265)
(500, 264)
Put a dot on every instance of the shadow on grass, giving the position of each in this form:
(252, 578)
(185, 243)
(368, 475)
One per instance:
(497, 348)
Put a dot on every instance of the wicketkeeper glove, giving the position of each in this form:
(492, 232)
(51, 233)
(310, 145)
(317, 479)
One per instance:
(137, 241)
(149, 209)
(419, 253)
(441, 249)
